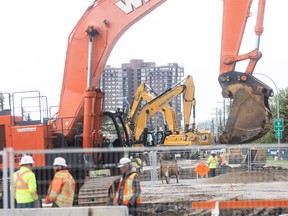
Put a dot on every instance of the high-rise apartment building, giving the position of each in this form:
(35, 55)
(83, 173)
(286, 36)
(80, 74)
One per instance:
(120, 84)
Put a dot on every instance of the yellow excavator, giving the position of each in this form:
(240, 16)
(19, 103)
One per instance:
(139, 117)
(147, 138)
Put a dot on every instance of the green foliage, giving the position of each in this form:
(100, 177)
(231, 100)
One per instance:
(271, 161)
(2, 100)
(26, 115)
(283, 101)
(283, 113)
(268, 138)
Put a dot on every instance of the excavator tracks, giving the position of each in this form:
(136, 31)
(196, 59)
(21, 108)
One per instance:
(98, 191)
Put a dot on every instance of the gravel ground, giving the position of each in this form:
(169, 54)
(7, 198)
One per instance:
(238, 184)
(266, 174)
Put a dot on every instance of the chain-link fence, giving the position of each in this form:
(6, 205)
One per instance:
(96, 184)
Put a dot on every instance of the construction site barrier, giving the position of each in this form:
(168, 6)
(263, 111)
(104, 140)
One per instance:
(239, 204)
(72, 211)
(9, 166)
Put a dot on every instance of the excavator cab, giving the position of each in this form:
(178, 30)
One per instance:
(147, 138)
(161, 136)
(114, 135)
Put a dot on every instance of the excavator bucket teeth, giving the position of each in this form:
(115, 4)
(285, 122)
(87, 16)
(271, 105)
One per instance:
(250, 117)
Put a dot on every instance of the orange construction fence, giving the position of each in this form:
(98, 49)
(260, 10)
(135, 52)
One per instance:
(241, 204)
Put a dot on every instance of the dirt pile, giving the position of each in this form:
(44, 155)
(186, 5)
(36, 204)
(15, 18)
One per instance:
(237, 184)
(267, 174)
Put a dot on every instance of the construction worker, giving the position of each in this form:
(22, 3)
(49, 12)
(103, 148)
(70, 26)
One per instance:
(212, 162)
(223, 161)
(129, 188)
(136, 164)
(25, 184)
(62, 188)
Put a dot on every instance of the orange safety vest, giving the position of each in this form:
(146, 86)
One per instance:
(25, 193)
(223, 160)
(128, 190)
(62, 189)
(19, 182)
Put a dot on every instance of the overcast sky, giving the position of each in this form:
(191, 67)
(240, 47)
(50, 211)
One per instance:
(34, 35)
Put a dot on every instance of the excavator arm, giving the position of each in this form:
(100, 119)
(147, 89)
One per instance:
(250, 116)
(163, 100)
(104, 22)
(89, 46)
(145, 93)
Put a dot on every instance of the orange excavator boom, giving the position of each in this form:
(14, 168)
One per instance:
(250, 116)
(91, 41)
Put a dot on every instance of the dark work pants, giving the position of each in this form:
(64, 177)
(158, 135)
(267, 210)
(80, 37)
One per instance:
(134, 209)
(25, 205)
(212, 172)
(223, 169)
(54, 205)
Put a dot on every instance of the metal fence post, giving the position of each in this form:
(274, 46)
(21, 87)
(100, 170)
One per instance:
(249, 159)
(5, 183)
(11, 171)
(153, 164)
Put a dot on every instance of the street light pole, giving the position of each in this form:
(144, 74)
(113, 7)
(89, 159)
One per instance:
(277, 101)
(216, 124)
(224, 111)
(277, 96)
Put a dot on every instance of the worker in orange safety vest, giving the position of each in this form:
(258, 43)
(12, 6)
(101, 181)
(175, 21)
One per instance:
(25, 184)
(223, 161)
(62, 188)
(129, 187)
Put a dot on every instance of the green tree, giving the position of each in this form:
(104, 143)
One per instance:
(2, 99)
(26, 115)
(283, 113)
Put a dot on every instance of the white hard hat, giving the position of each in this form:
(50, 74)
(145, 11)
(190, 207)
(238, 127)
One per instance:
(213, 152)
(59, 161)
(26, 159)
(123, 162)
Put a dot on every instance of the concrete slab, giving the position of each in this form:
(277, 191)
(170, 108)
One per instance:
(72, 211)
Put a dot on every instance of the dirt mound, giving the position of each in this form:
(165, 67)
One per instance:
(238, 183)
(268, 174)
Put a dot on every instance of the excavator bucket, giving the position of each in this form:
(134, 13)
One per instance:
(250, 116)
